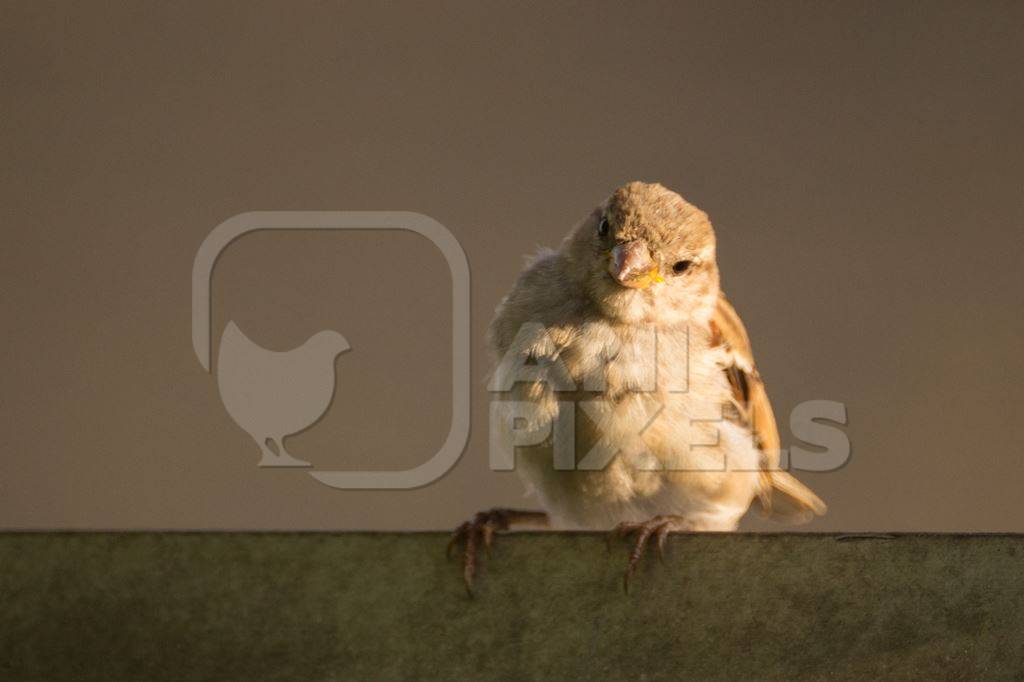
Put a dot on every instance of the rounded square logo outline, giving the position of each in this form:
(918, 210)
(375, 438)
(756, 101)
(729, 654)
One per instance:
(239, 225)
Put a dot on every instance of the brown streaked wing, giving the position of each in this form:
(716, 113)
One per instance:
(749, 394)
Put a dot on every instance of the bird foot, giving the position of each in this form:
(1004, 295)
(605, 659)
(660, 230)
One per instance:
(659, 527)
(283, 462)
(480, 530)
(275, 456)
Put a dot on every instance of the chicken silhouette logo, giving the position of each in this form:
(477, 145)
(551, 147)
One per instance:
(273, 395)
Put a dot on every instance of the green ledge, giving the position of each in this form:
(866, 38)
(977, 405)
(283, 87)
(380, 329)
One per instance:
(549, 606)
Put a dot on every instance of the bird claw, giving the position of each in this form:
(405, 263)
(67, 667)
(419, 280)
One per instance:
(481, 529)
(457, 535)
(660, 527)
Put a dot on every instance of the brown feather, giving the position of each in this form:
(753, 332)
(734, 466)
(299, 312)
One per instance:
(755, 411)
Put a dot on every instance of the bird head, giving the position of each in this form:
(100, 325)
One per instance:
(328, 343)
(646, 255)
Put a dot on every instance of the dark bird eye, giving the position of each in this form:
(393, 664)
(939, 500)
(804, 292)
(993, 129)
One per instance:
(681, 266)
(602, 228)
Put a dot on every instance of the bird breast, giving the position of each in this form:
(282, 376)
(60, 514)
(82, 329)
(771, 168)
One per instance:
(656, 388)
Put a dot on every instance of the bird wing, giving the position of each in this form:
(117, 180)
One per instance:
(754, 410)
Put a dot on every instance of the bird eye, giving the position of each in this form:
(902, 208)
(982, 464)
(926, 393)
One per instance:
(681, 266)
(602, 227)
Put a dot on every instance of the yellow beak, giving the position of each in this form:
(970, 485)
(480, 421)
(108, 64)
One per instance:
(631, 265)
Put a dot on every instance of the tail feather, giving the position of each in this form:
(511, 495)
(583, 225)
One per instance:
(793, 498)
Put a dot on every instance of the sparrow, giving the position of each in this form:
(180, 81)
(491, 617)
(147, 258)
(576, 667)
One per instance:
(632, 400)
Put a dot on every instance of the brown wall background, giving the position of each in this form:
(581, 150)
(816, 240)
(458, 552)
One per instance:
(862, 163)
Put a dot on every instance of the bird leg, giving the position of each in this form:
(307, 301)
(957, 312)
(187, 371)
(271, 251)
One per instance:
(274, 455)
(659, 527)
(481, 530)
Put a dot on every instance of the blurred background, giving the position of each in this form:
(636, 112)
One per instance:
(861, 162)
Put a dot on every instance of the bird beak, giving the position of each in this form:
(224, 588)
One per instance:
(630, 264)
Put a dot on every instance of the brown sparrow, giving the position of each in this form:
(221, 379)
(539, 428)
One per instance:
(629, 387)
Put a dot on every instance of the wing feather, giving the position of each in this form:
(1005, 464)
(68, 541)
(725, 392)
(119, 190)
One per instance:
(754, 410)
